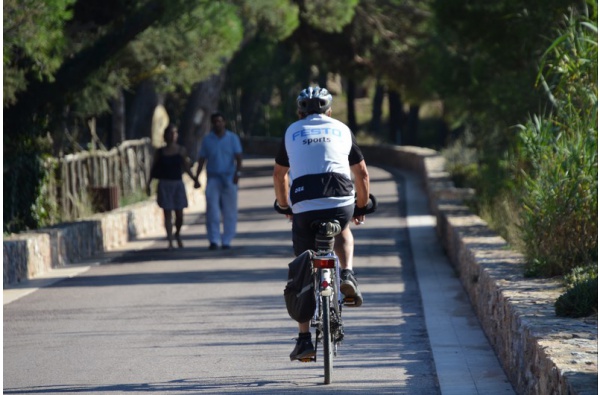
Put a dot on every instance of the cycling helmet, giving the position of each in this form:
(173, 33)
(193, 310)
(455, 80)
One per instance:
(314, 100)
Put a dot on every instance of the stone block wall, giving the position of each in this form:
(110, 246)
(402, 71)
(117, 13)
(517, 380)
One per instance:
(25, 256)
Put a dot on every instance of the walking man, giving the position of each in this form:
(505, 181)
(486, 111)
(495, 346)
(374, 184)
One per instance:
(221, 150)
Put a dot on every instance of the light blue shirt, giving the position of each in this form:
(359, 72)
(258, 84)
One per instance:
(220, 153)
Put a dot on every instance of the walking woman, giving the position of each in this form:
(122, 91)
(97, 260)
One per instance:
(169, 163)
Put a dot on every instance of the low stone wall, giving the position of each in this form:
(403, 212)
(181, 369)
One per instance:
(541, 353)
(30, 254)
(25, 256)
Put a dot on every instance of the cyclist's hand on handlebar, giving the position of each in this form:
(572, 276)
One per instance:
(358, 220)
(359, 213)
(287, 210)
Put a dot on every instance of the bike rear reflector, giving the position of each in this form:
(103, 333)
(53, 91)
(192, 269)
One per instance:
(323, 263)
(324, 285)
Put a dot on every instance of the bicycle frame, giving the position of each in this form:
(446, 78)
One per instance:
(327, 318)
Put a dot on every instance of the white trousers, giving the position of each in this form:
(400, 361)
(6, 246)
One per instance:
(221, 203)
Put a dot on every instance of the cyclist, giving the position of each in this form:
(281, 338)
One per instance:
(319, 155)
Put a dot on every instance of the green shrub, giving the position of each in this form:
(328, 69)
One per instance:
(580, 274)
(461, 161)
(24, 174)
(132, 198)
(579, 301)
(560, 199)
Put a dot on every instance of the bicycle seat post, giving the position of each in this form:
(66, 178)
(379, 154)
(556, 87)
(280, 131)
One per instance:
(326, 232)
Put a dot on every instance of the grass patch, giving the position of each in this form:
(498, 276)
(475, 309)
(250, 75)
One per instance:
(132, 198)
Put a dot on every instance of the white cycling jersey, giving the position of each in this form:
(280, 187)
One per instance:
(319, 151)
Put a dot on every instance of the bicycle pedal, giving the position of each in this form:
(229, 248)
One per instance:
(350, 302)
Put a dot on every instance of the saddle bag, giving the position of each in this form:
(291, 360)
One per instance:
(299, 293)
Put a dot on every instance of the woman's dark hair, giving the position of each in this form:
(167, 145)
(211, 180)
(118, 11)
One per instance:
(169, 129)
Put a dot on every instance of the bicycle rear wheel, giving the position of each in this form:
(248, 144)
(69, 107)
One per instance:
(327, 339)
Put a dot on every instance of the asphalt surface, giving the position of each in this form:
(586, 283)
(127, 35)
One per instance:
(147, 320)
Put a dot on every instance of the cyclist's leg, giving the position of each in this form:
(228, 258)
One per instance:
(344, 242)
(344, 248)
(303, 238)
(304, 346)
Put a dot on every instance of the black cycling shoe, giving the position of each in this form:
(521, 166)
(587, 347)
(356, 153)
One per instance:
(349, 287)
(304, 348)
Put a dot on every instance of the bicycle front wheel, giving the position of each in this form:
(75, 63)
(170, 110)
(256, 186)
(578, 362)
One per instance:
(327, 339)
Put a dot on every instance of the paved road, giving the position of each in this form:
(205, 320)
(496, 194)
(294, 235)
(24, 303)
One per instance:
(148, 320)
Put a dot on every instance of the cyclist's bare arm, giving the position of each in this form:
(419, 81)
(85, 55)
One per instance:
(361, 184)
(281, 184)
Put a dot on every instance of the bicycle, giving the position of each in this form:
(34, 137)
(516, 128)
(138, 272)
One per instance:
(327, 318)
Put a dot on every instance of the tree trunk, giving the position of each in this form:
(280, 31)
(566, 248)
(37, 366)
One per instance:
(195, 120)
(397, 117)
(377, 111)
(139, 116)
(118, 119)
(351, 95)
(249, 110)
(443, 129)
(412, 125)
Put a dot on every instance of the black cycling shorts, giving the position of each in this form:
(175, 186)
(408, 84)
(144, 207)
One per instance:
(303, 237)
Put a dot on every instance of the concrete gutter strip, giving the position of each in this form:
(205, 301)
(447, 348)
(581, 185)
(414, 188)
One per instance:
(542, 354)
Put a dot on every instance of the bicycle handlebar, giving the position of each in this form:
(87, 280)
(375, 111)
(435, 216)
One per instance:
(368, 209)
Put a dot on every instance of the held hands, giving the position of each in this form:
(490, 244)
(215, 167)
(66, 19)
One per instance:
(196, 182)
(236, 177)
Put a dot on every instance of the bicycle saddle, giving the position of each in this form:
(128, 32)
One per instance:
(327, 228)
